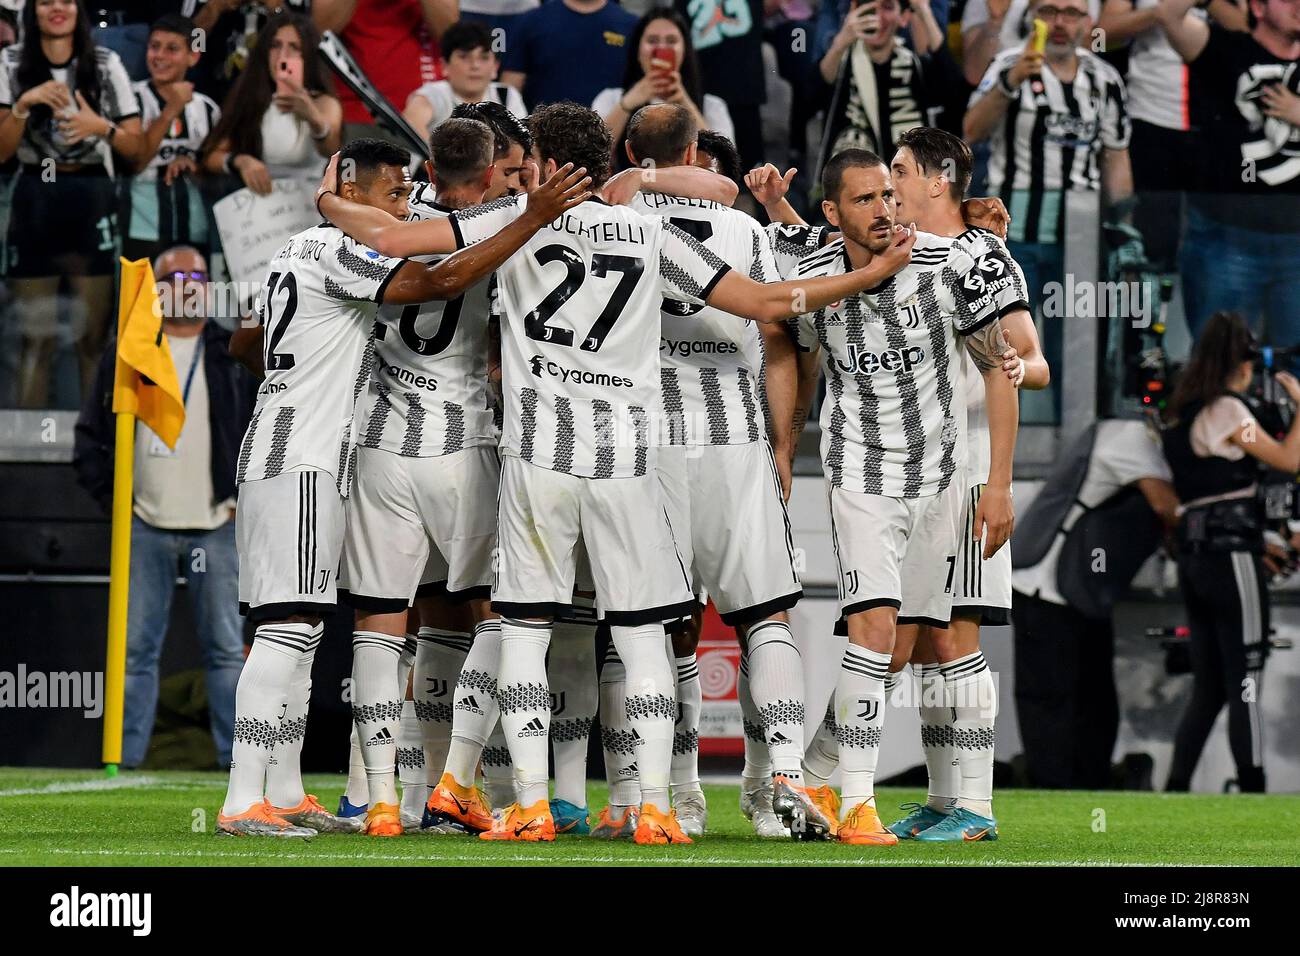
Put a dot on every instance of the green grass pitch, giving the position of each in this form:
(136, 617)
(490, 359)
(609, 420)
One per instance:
(79, 818)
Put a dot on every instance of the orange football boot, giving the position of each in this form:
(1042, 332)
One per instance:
(654, 826)
(462, 805)
(526, 824)
(383, 820)
(863, 827)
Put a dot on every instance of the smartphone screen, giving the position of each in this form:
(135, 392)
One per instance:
(663, 58)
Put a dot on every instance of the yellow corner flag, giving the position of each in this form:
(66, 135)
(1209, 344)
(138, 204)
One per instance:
(145, 386)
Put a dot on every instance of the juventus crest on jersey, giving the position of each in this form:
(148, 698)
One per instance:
(580, 331)
(428, 393)
(894, 420)
(711, 364)
(317, 310)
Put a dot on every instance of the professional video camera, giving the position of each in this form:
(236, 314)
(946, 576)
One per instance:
(1279, 492)
(1175, 642)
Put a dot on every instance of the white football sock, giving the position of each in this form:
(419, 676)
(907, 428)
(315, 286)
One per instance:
(650, 707)
(358, 791)
(823, 753)
(405, 665)
(936, 739)
(284, 772)
(377, 709)
(616, 733)
(410, 762)
(260, 705)
(686, 731)
(776, 685)
(859, 716)
(525, 701)
(474, 712)
(439, 659)
(498, 775)
(571, 673)
(975, 705)
(758, 759)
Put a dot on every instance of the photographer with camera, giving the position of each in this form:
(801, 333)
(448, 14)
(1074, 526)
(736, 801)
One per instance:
(1220, 452)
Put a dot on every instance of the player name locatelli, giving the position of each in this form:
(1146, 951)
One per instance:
(611, 232)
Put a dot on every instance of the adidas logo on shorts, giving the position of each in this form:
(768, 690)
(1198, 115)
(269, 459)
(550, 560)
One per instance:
(534, 728)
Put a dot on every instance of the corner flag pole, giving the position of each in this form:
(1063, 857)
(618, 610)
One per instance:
(119, 585)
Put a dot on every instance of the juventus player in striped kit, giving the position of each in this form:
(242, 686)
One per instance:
(580, 335)
(294, 471)
(893, 450)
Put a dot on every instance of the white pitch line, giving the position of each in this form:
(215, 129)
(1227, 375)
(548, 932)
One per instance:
(547, 858)
(109, 784)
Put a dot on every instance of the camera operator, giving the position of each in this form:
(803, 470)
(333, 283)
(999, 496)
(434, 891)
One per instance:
(1218, 450)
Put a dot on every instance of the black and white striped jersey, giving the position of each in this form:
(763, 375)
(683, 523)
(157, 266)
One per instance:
(894, 419)
(792, 243)
(428, 393)
(979, 243)
(580, 331)
(1050, 140)
(186, 133)
(317, 309)
(711, 364)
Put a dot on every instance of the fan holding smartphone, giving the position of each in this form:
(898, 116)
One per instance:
(661, 68)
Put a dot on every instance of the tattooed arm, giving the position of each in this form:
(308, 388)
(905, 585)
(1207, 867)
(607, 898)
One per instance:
(995, 511)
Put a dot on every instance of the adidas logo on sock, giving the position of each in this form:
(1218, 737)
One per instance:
(534, 728)
(628, 771)
(470, 703)
(778, 738)
(383, 736)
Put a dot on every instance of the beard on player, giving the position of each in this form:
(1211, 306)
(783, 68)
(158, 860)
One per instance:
(860, 199)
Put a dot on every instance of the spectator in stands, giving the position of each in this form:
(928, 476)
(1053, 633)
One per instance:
(1242, 248)
(165, 205)
(1056, 122)
(471, 69)
(987, 28)
(496, 14)
(1163, 146)
(123, 27)
(831, 13)
(879, 85)
(646, 79)
(567, 50)
(66, 107)
(395, 44)
(728, 39)
(230, 29)
(184, 505)
(278, 121)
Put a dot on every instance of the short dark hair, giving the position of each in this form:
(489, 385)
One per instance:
(461, 151)
(722, 150)
(833, 171)
(569, 133)
(368, 155)
(173, 23)
(505, 126)
(661, 133)
(936, 152)
(465, 36)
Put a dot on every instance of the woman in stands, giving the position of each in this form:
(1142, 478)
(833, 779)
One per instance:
(1216, 446)
(68, 112)
(661, 68)
(278, 121)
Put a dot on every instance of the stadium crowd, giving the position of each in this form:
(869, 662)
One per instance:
(123, 125)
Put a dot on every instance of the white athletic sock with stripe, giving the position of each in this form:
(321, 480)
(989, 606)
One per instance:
(439, 658)
(823, 753)
(936, 739)
(358, 791)
(776, 684)
(616, 733)
(498, 775)
(284, 772)
(650, 707)
(406, 666)
(859, 716)
(525, 701)
(685, 773)
(410, 762)
(260, 704)
(975, 708)
(758, 759)
(474, 712)
(377, 709)
(571, 673)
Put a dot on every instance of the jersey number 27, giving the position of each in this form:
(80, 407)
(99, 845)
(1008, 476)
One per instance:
(630, 270)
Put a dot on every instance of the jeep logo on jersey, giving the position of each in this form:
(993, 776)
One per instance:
(866, 362)
(987, 269)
